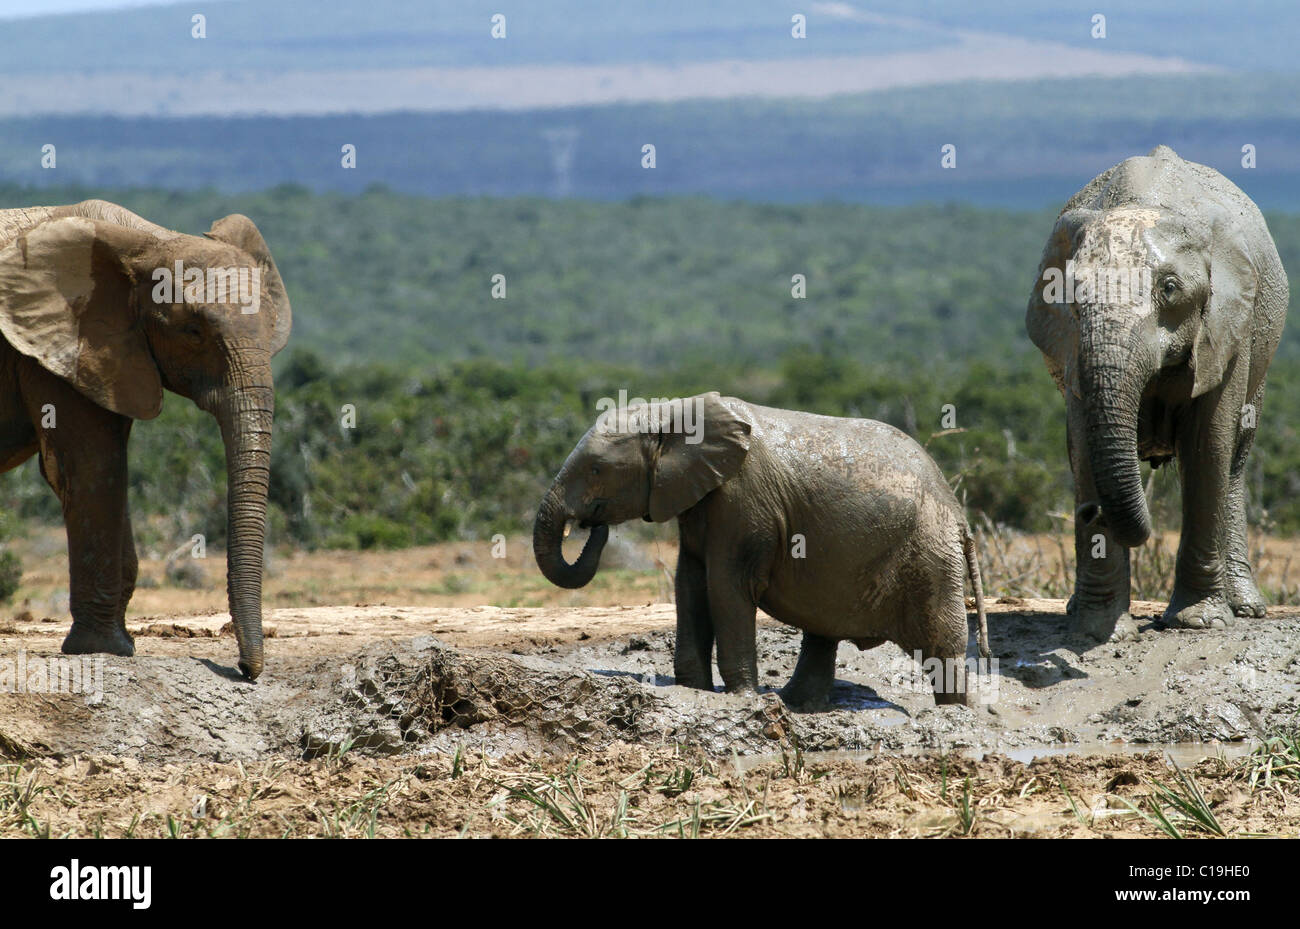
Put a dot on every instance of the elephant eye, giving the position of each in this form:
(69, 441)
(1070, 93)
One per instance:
(1170, 287)
(595, 470)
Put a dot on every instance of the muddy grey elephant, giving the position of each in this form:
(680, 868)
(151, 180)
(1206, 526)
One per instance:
(844, 528)
(99, 311)
(1159, 302)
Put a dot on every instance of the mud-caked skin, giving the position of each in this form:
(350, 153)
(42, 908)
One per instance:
(88, 341)
(1169, 365)
(844, 528)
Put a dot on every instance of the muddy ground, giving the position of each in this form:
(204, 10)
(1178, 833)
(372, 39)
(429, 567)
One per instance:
(551, 720)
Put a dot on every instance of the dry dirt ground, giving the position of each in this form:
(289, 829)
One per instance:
(562, 719)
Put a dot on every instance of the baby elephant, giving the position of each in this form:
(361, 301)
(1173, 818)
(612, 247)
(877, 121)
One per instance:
(844, 528)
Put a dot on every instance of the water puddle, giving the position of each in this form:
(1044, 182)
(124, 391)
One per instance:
(1182, 754)
(845, 695)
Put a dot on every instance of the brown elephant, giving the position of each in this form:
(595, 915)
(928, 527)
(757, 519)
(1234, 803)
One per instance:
(99, 311)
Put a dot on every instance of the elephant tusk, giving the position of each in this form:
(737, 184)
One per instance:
(568, 524)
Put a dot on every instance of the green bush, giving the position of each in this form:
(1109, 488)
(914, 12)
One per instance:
(476, 403)
(377, 532)
(11, 575)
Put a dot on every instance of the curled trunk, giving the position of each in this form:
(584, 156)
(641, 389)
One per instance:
(548, 538)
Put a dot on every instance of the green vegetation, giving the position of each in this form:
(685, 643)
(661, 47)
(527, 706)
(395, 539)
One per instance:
(11, 569)
(465, 407)
(679, 282)
(1181, 803)
(648, 283)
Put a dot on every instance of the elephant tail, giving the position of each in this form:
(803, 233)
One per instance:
(973, 570)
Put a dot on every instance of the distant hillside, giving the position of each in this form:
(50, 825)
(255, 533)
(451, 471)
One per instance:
(281, 35)
(1018, 145)
(314, 34)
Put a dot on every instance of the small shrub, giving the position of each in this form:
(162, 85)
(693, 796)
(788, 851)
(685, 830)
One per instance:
(187, 573)
(11, 575)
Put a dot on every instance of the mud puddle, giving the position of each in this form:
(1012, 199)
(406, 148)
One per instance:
(412, 681)
(1182, 754)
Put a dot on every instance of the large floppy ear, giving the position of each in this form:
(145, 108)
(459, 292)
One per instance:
(1049, 319)
(66, 300)
(1233, 285)
(238, 230)
(706, 447)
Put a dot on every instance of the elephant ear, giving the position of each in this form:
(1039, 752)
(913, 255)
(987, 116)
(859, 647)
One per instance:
(66, 301)
(1049, 320)
(238, 230)
(1234, 283)
(686, 469)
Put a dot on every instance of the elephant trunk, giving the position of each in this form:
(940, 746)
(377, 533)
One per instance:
(1112, 377)
(548, 538)
(244, 412)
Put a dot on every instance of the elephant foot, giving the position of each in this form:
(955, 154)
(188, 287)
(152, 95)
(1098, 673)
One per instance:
(951, 697)
(1244, 597)
(83, 640)
(1103, 624)
(809, 687)
(740, 683)
(1190, 611)
(806, 694)
(695, 679)
(1126, 629)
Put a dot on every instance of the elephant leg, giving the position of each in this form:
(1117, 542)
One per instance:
(734, 610)
(693, 650)
(1244, 597)
(947, 671)
(130, 567)
(1100, 605)
(940, 635)
(1205, 451)
(84, 460)
(810, 685)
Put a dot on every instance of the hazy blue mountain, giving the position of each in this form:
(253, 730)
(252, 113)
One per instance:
(288, 34)
(1019, 145)
(307, 34)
